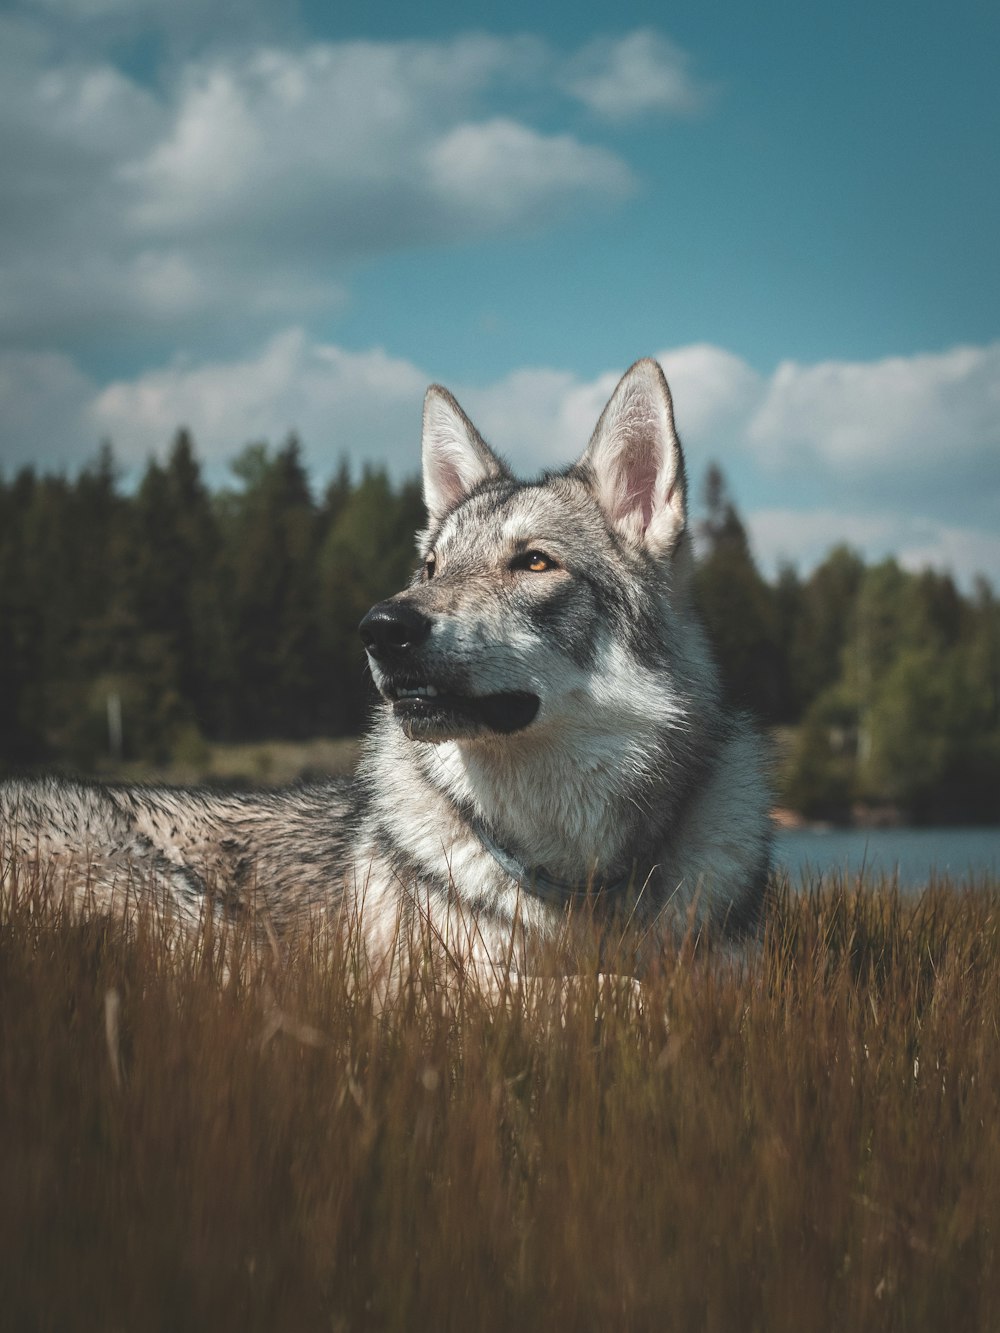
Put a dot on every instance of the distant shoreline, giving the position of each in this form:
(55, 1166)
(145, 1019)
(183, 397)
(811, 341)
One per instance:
(786, 820)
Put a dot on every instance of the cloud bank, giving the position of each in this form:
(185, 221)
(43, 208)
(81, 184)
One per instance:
(241, 184)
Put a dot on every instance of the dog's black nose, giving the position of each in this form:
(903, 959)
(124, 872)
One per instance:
(391, 629)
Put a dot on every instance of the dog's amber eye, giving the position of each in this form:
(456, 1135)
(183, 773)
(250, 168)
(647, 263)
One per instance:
(430, 564)
(535, 561)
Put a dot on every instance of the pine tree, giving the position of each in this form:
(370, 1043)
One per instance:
(738, 608)
(823, 626)
(272, 533)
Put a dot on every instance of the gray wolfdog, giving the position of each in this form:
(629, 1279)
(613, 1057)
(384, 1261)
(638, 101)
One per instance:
(550, 735)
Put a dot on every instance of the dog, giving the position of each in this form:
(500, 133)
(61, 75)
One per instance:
(550, 742)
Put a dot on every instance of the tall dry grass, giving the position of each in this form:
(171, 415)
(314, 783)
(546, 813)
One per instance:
(195, 1136)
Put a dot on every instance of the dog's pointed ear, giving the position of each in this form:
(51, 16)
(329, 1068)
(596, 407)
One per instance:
(635, 459)
(456, 457)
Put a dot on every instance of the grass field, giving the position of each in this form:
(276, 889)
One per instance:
(268, 763)
(191, 1141)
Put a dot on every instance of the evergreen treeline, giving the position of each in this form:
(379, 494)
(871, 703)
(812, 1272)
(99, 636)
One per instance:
(229, 617)
(891, 680)
(232, 616)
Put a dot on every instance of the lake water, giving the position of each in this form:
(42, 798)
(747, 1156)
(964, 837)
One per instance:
(916, 855)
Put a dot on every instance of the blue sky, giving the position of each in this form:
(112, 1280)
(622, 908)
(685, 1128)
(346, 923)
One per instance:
(264, 216)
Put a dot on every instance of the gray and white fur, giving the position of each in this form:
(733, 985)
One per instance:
(550, 737)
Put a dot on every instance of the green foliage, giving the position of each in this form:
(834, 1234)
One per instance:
(740, 610)
(231, 617)
(818, 632)
(912, 720)
(819, 780)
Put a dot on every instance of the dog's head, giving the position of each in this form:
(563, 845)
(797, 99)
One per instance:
(522, 586)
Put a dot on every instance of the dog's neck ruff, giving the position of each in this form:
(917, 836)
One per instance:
(536, 881)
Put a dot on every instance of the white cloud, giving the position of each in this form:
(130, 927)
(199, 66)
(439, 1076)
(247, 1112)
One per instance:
(621, 78)
(360, 146)
(500, 173)
(898, 412)
(265, 170)
(207, 152)
(365, 404)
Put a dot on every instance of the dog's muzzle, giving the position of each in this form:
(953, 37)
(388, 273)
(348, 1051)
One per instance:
(427, 704)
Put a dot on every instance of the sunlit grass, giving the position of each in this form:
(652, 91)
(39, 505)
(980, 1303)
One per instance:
(205, 1134)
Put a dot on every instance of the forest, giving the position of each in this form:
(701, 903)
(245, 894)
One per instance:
(155, 619)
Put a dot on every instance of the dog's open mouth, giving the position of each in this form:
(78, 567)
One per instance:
(426, 712)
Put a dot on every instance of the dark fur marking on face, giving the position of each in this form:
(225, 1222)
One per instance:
(630, 615)
(574, 626)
